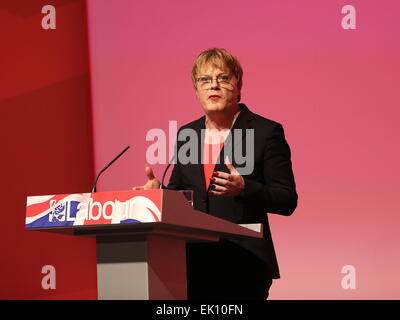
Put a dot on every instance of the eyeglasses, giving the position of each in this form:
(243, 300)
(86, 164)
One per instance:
(223, 80)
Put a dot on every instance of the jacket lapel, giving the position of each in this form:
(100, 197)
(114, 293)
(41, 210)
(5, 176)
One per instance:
(243, 122)
(198, 171)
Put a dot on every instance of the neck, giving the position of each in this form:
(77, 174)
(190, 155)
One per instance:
(222, 119)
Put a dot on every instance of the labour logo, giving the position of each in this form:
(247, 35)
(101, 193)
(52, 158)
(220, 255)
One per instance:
(58, 213)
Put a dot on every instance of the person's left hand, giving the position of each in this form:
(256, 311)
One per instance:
(227, 184)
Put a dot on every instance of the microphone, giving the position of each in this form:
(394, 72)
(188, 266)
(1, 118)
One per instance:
(165, 172)
(106, 167)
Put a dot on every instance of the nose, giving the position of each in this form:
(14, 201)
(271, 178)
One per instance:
(214, 84)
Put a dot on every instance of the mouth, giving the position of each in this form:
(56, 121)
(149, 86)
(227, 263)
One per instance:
(214, 97)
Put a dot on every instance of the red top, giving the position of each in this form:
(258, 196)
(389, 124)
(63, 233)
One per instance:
(211, 154)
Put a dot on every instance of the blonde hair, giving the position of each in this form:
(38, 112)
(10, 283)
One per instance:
(221, 59)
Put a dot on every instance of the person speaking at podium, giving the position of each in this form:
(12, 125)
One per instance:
(239, 169)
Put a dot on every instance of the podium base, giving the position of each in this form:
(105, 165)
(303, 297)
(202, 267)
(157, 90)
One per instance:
(148, 268)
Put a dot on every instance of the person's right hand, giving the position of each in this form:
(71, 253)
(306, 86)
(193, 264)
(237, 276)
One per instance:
(152, 182)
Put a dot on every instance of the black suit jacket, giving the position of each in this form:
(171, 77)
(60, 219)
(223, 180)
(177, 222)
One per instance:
(269, 188)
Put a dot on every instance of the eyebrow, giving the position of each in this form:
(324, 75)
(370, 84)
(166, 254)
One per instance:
(209, 75)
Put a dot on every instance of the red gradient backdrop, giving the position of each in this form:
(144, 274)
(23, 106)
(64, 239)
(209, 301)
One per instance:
(334, 90)
(46, 145)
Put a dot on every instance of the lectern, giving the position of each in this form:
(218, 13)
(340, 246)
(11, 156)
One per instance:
(140, 237)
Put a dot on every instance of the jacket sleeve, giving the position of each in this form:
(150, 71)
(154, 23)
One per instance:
(278, 192)
(175, 182)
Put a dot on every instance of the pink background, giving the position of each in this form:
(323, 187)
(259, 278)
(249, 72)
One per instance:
(74, 97)
(334, 90)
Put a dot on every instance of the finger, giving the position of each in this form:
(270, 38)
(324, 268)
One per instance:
(218, 180)
(230, 167)
(223, 182)
(227, 161)
(149, 173)
(138, 188)
(221, 174)
(218, 193)
(215, 187)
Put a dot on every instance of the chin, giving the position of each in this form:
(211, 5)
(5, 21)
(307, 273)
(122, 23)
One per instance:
(214, 107)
